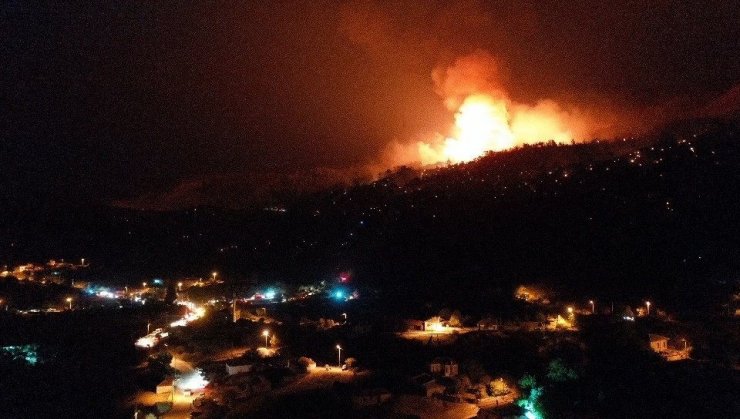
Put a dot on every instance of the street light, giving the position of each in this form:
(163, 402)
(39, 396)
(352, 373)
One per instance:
(143, 284)
(148, 324)
(339, 359)
(593, 309)
(69, 300)
(647, 304)
(266, 333)
(213, 274)
(179, 286)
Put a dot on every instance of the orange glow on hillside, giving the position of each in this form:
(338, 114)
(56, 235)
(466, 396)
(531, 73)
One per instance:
(486, 119)
(484, 123)
(481, 124)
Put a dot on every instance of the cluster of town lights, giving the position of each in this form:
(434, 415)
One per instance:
(152, 338)
(194, 313)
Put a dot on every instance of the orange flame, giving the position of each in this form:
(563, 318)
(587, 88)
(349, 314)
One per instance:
(485, 119)
(483, 124)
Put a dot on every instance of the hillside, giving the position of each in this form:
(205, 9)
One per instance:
(646, 216)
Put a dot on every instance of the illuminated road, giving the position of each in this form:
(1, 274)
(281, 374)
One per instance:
(182, 404)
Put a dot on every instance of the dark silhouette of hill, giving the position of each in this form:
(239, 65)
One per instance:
(652, 216)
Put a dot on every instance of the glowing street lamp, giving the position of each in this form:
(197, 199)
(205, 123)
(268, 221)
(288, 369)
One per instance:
(69, 301)
(179, 286)
(593, 308)
(213, 274)
(647, 304)
(143, 284)
(266, 334)
(148, 325)
(339, 359)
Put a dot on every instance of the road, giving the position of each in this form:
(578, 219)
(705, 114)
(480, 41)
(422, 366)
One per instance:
(181, 403)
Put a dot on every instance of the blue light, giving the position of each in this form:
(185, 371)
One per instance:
(158, 281)
(27, 353)
(339, 294)
(270, 294)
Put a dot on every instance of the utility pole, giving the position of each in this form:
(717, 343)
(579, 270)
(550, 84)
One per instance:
(233, 307)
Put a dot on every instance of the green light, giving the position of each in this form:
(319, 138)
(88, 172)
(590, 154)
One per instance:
(28, 353)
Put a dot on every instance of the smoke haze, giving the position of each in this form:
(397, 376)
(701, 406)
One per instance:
(118, 101)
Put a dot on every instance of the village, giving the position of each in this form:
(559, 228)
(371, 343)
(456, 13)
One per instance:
(253, 355)
(274, 350)
(585, 286)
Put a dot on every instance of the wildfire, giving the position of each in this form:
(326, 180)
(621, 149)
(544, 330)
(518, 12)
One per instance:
(481, 124)
(484, 123)
(485, 118)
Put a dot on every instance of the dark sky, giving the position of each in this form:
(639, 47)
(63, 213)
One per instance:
(114, 100)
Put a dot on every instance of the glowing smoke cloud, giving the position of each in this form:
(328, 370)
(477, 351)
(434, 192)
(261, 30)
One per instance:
(485, 119)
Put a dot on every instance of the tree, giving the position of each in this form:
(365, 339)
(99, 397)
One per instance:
(531, 400)
(164, 358)
(171, 294)
(455, 319)
(305, 362)
(474, 370)
(462, 382)
(499, 387)
(558, 372)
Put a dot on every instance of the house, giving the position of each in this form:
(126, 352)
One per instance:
(435, 324)
(370, 397)
(661, 345)
(166, 386)
(446, 367)
(427, 384)
(238, 367)
(487, 323)
(658, 343)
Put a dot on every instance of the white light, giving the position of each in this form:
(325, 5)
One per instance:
(147, 341)
(192, 381)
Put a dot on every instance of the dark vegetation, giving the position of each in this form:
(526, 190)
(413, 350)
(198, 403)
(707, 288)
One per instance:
(85, 363)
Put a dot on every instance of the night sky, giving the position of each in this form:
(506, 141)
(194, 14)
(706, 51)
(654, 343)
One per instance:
(109, 101)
